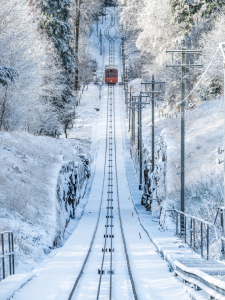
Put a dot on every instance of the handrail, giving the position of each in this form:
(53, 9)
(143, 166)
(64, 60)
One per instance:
(188, 216)
(214, 287)
(191, 234)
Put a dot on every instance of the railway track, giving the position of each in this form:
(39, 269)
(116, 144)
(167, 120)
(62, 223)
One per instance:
(112, 217)
(110, 182)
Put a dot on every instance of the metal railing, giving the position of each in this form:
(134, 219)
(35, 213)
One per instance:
(7, 250)
(196, 232)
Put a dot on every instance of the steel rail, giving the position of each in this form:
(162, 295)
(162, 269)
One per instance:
(109, 112)
(99, 213)
(121, 224)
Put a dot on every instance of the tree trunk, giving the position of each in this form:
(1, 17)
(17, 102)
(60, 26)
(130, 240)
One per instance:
(3, 108)
(77, 33)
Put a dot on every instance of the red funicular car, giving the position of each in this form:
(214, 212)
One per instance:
(111, 74)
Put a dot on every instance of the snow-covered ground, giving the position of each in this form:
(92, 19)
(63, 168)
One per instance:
(204, 133)
(34, 175)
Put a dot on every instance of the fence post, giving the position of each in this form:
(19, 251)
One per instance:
(191, 232)
(223, 234)
(185, 223)
(201, 239)
(194, 234)
(13, 265)
(10, 256)
(177, 223)
(180, 225)
(207, 241)
(3, 260)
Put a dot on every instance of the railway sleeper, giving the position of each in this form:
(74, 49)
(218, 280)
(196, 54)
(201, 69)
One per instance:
(109, 217)
(109, 225)
(110, 272)
(101, 271)
(109, 207)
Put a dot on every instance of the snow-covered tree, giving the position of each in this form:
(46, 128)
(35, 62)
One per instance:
(83, 12)
(58, 27)
(7, 74)
(27, 104)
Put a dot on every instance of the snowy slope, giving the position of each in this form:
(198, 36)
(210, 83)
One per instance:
(34, 173)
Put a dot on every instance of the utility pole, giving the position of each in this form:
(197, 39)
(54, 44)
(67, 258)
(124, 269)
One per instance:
(123, 54)
(97, 26)
(132, 107)
(139, 105)
(140, 141)
(222, 47)
(100, 42)
(152, 92)
(183, 66)
(126, 92)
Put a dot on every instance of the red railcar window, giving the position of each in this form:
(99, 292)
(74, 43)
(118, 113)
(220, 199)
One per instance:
(111, 73)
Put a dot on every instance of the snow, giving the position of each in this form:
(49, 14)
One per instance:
(55, 277)
(34, 166)
(203, 134)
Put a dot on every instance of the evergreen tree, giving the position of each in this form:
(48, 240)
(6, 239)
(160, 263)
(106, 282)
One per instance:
(184, 11)
(58, 27)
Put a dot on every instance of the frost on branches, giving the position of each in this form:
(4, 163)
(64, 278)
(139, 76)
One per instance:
(7, 74)
(58, 27)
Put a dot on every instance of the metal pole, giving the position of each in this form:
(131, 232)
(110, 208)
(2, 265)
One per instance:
(207, 241)
(201, 239)
(13, 265)
(153, 124)
(3, 259)
(182, 132)
(138, 129)
(177, 223)
(133, 121)
(130, 110)
(97, 26)
(223, 208)
(222, 226)
(140, 140)
(100, 42)
(194, 234)
(10, 256)
(126, 93)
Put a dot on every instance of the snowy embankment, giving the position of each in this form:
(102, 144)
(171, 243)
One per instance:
(203, 176)
(40, 178)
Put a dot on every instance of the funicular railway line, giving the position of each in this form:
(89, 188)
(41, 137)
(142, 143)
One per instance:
(110, 180)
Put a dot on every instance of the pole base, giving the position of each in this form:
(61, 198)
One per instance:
(140, 187)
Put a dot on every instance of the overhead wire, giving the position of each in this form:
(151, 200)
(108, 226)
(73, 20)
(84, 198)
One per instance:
(197, 84)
